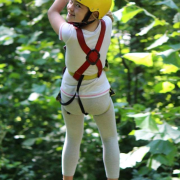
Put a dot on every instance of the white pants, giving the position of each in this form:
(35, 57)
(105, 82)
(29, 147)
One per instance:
(103, 112)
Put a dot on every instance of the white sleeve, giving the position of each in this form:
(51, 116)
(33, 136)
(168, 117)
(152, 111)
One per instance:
(108, 21)
(65, 32)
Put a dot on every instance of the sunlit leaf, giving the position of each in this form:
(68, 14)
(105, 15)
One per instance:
(164, 87)
(178, 83)
(6, 35)
(112, 5)
(40, 2)
(170, 56)
(169, 3)
(34, 36)
(33, 96)
(169, 68)
(36, 20)
(159, 42)
(176, 25)
(118, 14)
(145, 121)
(170, 132)
(130, 159)
(144, 30)
(2, 66)
(9, 2)
(140, 58)
(176, 18)
(129, 12)
(144, 134)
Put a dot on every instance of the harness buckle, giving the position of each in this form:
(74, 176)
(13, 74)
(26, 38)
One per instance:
(88, 56)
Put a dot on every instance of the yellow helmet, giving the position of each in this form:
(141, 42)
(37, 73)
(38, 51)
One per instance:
(102, 6)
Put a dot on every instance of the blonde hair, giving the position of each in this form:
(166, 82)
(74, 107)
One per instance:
(110, 15)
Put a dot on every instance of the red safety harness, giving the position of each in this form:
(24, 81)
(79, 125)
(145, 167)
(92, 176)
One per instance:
(92, 58)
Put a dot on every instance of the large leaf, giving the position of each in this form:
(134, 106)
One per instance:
(140, 58)
(145, 30)
(145, 121)
(161, 147)
(7, 35)
(171, 56)
(175, 46)
(169, 3)
(164, 87)
(169, 68)
(130, 159)
(127, 13)
(170, 132)
(144, 134)
(159, 42)
(176, 18)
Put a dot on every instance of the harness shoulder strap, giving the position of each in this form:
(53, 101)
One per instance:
(93, 56)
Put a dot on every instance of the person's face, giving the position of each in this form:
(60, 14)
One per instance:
(76, 11)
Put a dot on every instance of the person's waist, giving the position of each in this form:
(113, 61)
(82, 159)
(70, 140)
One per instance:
(86, 77)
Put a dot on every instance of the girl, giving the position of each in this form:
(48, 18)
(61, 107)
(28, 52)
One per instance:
(85, 88)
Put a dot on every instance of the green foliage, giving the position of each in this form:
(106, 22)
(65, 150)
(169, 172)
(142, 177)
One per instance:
(144, 72)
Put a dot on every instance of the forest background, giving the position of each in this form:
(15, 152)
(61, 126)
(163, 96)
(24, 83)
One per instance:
(144, 72)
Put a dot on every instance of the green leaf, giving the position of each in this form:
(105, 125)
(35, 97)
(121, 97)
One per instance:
(167, 160)
(145, 121)
(9, 2)
(175, 46)
(178, 83)
(164, 87)
(7, 35)
(144, 134)
(129, 12)
(34, 36)
(38, 88)
(159, 42)
(170, 56)
(170, 132)
(2, 66)
(118, 14)
(40, 2)
(161, 147)
(140, 58)
(176, 18)
(136, 155)
(40, 61)
(15, 75)
(169, 3)
(145, 30)
(112, 5)
(29, 142)
(169, 68)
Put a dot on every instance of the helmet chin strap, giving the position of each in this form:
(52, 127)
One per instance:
(84, 21)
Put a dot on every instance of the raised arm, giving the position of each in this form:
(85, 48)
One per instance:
(54, 16)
